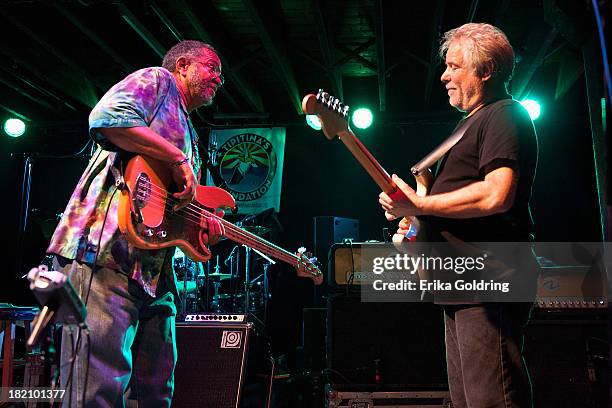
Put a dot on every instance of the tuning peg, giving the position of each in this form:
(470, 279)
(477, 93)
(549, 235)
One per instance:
(301, 250)
(345, 110)
(324, 97)
(320, 94)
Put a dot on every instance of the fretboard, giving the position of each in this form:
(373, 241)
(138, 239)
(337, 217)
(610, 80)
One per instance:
(249, 239)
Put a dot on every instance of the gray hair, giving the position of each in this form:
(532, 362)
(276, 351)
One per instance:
(488, 49)
(189, 49)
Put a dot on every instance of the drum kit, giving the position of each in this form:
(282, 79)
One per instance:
(233, 281)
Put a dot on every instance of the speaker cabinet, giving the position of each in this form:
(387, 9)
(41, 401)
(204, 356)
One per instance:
(220, 365)
(313, 338)
(567, 361)
(384, 345)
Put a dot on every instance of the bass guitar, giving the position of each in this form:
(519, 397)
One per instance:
(147, 219)
(333, 114)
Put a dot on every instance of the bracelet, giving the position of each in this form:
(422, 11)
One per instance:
(181, 162)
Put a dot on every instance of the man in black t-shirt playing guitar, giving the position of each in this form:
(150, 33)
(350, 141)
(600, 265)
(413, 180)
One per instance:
(480, 194)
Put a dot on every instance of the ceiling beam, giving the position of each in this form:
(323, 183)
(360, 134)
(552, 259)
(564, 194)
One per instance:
(433, 56)
(354, 54)
(404, 60)
(166, 21)
(357, 58)
(521, 82)
(19, 66)
(179, 37)
(58, 101)
(570, 69)
(141, 30)
(26, 94)
(327, 49)
(251, 96)
(249, 56)
(472, 11)
(94, 37)
(271, 37)
(76, 76)
(15, 113)
(380, 56)
(314, 61)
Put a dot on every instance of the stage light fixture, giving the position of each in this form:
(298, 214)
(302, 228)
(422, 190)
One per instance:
(14, 127)
(313, 121)
(533, 107)
(362, 118)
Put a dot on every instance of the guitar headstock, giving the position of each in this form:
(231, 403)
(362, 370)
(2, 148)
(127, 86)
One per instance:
(331, 112)
(306, 266)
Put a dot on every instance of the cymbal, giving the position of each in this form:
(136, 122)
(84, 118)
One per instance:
(256, 229)
(221, 276)
(237, 296)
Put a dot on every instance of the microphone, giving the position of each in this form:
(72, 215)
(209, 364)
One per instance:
(61, 303)
(230, 256)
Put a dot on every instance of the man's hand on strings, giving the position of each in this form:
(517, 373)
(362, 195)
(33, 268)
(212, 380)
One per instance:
(185, 179)
(212, 228)
(400, 207)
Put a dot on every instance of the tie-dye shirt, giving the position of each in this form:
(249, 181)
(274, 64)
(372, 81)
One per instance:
(148, 97)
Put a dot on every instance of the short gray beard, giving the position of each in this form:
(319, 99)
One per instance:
(198, 89)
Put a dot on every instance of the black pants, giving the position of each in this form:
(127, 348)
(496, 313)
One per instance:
(483, 354)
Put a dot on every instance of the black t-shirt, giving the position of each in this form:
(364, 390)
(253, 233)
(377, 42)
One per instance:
(502, 135)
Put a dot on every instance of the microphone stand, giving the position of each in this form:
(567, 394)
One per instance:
(24, 209)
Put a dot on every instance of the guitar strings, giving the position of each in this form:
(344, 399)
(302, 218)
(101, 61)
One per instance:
(246, 239)
(193, 212)
(233, 231)
(197, 211)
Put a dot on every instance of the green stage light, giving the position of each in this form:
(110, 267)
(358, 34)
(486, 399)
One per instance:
(313, 121)
(362, 118)
(533, 107)
(14, 127)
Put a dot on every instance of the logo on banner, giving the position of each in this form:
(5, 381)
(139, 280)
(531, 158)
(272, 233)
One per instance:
(248, 165)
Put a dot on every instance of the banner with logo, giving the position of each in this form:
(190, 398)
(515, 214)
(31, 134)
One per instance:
(250, 161)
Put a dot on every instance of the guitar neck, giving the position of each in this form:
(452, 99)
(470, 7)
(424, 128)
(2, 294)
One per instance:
(249, 239)
(369, 162)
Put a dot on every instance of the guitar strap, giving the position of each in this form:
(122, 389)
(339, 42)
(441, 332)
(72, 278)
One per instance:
(445, 146)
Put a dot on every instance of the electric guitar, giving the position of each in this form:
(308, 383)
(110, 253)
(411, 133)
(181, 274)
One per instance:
(148, 221)
(333, 114)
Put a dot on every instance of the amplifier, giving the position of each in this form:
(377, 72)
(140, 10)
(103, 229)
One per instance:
(345, 264)
(221, 364)
(216, 317)
(571, 287)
